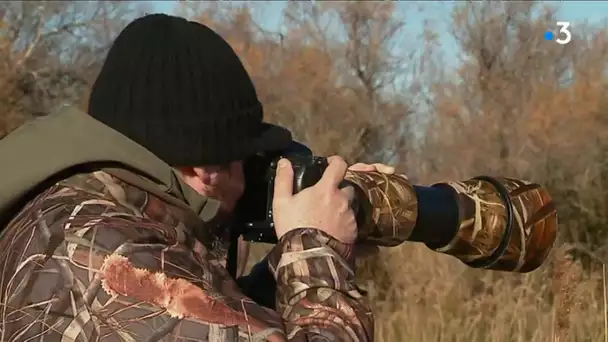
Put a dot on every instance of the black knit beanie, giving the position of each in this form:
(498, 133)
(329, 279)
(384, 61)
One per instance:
(178, 89)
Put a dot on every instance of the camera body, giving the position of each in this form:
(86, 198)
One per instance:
(307, 171)
(254, 210)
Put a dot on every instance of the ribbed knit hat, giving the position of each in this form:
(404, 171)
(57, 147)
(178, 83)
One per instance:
(178, 89)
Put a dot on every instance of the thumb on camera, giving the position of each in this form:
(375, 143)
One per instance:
(283, 182)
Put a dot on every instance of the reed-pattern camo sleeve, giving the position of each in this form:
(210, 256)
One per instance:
(316, 292)
(93, 259)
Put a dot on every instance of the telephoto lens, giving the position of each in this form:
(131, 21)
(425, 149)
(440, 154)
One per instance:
(499, 224)
(494, 223)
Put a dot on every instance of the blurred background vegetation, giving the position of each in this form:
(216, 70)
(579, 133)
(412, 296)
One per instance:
(487, 95)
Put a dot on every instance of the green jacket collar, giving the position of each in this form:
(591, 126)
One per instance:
(48, 145)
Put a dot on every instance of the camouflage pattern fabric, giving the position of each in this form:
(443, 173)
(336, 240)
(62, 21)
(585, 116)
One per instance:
(93, 258)
(392, 214)
(483, 221)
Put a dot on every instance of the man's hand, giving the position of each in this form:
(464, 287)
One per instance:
(324, 206)
(376, 167)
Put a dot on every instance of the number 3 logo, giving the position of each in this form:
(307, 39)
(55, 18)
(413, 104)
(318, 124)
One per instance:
(564, 30)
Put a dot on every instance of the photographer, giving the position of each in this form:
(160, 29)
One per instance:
(113, 218)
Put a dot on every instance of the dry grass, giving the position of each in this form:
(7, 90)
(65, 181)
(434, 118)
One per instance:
(433, 297)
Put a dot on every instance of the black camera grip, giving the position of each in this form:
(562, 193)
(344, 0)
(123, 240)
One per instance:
(307, 171)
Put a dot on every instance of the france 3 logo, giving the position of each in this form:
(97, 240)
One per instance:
(563, 35)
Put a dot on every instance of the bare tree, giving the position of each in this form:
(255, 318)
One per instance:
(525, 107)
(52, 50)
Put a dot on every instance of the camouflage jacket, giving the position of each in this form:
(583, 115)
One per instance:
(96, 255)
(94, 258)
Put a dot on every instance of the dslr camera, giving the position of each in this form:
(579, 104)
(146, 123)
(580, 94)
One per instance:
(472, 220)
(254, 211)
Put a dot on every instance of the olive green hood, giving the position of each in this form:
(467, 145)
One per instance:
(49, 145)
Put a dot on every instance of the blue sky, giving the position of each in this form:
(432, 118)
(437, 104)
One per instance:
(577, 12)
(574, 11)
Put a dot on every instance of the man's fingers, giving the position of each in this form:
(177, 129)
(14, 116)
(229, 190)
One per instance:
(362, 167)
(283, 183)
(383, 168)
(379, 167)
(335, 172)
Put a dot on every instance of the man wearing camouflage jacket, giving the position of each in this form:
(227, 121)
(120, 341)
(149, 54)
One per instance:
(110, 230)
